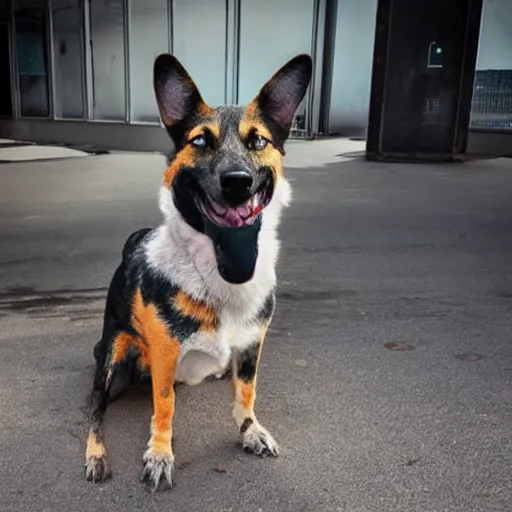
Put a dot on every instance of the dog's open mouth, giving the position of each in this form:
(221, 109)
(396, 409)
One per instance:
(236, 216)
(233, 216)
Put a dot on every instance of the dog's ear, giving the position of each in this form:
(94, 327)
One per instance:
(279, 98)
(176, 93)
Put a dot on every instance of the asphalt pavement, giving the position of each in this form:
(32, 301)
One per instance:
(386, 376)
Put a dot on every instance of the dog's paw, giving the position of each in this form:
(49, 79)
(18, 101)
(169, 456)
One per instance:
(157, 472)
(97, 469)
(259, 441)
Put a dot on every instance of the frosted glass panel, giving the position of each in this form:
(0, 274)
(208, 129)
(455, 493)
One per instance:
(352, 67)
(271, 33)
(68, 58)
(107, 34)
(199, 29)
(149, 36)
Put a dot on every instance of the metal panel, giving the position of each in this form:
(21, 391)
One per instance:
(15, 83)
(317, 52)
(329, 34)
(126, 40)
(232, 47)
(419, 111)
(199, 42)
(88, 70)
(51, 64)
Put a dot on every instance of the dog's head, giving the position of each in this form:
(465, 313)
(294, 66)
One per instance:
(228, 160)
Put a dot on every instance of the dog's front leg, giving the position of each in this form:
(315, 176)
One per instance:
(158, 458)
(255, 438)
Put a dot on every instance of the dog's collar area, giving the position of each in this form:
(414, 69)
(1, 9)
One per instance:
(236, 249)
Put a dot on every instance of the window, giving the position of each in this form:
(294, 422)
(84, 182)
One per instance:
(31, 44)
(199, 32)
(149, 36)
(68, 59)
(108, 59)
(492, 94)
(293, 21)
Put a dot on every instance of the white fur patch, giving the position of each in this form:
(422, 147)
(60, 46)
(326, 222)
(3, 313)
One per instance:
(204, 354)
(259, 441)
(200, 356)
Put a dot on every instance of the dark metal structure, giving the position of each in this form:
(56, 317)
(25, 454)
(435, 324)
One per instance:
(422, 83)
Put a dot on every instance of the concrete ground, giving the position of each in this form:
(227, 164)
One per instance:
(386, 376)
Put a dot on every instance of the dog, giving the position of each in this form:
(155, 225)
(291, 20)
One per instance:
(194, 297)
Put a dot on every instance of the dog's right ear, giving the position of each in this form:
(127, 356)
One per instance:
(177, 95)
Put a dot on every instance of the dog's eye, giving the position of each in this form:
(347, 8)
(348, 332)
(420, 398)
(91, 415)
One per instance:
(258, 143)
(199, 141)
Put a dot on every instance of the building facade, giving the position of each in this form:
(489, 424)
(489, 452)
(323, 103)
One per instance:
(80, 71)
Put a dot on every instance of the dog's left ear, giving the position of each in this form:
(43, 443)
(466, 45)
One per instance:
(279, 98)
(176, 93)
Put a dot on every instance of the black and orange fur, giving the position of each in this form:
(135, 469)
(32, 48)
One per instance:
(149, 317)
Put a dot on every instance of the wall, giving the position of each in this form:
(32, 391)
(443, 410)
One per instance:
(90, 136)
(353, 54)
(495, 47)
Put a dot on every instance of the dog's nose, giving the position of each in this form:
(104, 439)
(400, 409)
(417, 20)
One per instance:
(236, 185)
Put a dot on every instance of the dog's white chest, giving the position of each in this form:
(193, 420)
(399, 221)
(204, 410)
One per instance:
(206, 353)
(187, 259)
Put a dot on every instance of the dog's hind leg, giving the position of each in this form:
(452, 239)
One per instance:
(255, 438)
(96, 465)
(113, 374)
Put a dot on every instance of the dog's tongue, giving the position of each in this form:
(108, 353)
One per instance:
(235, 216)
(238, 216)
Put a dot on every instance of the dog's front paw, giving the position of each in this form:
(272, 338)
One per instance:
(257, 440)
(157, 472)
(97, 469)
